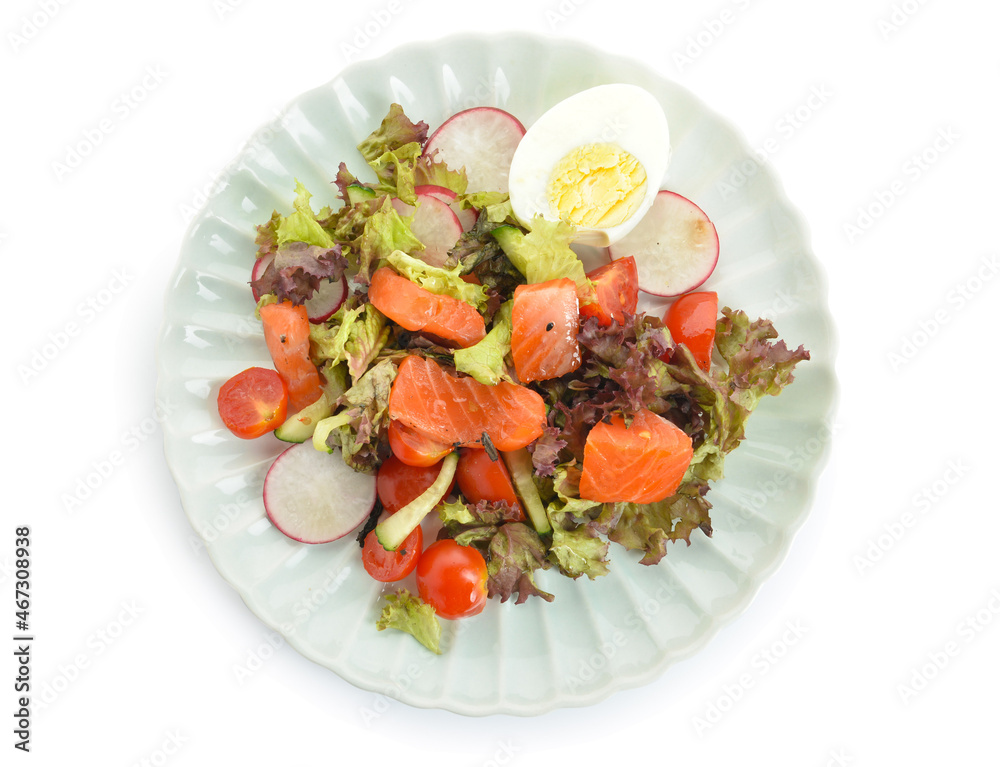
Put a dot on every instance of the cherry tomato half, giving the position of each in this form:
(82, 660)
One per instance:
(413, 448)
(388, 566)
(397, 483)
(616, 290)
(691, 321)
(481, 479)
(253, 402)
(451, 578)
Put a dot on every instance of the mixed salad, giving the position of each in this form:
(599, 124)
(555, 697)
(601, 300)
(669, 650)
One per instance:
(445, 366)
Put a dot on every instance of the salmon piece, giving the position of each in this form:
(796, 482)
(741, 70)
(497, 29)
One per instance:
(544, 324)
(456, 410)
(286, 333)
(417, 309)
(641, 463)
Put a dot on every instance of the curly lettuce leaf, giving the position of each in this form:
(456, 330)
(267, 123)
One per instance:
(302, 225)
(266, 238)
(578, 526)
(396, 130)
(392, 151)
(407, 612)
(430, 170)
(579, 551)
(544, 253)
(475, 524)
(354, 334)
(384, 232)
(649, 527)
(546, 450)
(360, 428)
(514, 554)
(756, 365)
(484, 360)
(298, 269)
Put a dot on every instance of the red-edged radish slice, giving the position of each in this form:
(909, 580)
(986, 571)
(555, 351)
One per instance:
(326, 300)
(258, 269)
(466, 216)
(434, 224)
(314, 497)
(443, 193)
(482, 140)
(676, 246)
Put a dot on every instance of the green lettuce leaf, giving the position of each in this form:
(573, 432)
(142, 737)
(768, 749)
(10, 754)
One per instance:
(544, 253)
(355, 334)
(579, 551)
(578, 525)
(267, 235)
(484, 360)
(302, 224)
(407, 612)
(385, 231)
(432, 171)
(392, 152)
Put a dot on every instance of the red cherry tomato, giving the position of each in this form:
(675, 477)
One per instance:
(616, 290)
(691, 321)
(253, 402)
(451, 578)
(388, 566)
(413, 448)
(397, 483)
(481, 479)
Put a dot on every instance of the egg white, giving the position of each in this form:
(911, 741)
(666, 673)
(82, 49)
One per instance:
(619, 113)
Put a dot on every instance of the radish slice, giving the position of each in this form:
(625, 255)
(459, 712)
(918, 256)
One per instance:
(676, 246)
(258, 269)
(326, 300)
(466, 216)
(482, 140)
(434, 224)
(314, 497)
(443, 193)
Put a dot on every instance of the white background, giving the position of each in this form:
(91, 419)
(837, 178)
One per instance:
(893, 582)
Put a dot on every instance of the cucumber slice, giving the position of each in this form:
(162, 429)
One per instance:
(359, 193)
(300, 426)
(521, 472)
(392, 531)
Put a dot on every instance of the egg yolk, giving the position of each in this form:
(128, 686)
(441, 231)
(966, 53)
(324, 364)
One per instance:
(597, 185)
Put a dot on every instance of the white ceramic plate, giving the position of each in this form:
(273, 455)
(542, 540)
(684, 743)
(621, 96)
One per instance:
(599, 636)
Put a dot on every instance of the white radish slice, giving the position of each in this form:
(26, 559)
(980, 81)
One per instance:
(466, 216)
(258, 269)
(314, 497)
(326, 300)
(482, 140)
(675, 245)
(434, 224)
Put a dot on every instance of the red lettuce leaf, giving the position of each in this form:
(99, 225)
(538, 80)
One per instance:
(298, 270)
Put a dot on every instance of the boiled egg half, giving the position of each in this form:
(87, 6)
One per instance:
(595, 160)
